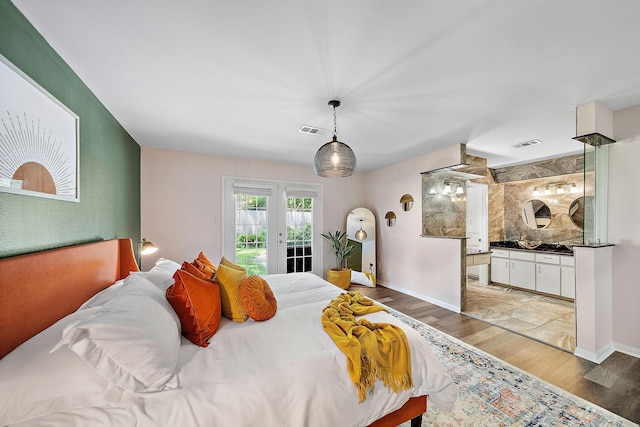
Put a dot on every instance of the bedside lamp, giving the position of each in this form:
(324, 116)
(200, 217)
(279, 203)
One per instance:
(146, 248)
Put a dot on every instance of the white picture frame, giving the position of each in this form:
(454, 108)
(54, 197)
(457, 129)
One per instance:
(39, 139)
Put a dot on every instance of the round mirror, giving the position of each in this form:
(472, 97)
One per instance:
(390, 218)
(406, 202)
(577, 210)
(536, 214)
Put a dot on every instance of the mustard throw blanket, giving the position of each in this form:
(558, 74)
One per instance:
(373, 350)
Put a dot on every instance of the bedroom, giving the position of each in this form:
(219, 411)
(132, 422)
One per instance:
(166, 207)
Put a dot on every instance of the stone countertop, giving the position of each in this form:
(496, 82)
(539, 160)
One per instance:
(546, 248)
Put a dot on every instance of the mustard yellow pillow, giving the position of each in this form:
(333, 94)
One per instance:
(224, 261)
(229, 280)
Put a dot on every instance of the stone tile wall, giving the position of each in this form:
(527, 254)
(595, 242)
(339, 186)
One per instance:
(510, 188)
(560, 230)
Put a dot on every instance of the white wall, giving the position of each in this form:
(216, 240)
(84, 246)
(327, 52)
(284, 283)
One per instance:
(181, 210)
(428, 268)
(181, 200)
(181, 195)
(624, 228)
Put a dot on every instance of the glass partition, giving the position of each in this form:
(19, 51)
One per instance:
(596, 173)
(444, 204)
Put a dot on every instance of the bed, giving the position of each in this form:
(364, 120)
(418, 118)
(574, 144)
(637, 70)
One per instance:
(283, 371)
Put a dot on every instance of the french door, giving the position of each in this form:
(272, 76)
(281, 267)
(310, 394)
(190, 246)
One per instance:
(272, 226)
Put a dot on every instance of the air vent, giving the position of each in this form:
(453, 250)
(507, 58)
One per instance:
(312, 130)
(527, 143)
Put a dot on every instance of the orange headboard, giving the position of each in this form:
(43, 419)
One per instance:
(38, 289)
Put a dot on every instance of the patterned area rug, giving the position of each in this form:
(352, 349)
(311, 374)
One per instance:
(494, 393)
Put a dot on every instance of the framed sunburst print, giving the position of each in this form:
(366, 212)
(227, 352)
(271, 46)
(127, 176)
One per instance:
(39, 139)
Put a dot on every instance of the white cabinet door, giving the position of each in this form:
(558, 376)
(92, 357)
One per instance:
(548, 278)
(568, 288)
(500, 270)
(523, 274)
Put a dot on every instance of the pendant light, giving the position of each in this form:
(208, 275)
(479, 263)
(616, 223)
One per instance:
(335, 159)
(361, 234)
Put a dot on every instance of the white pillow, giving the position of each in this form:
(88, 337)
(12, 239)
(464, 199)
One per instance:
(35, 383)
(361, 279)
(132, 341)
(103, 297)
(161, 274)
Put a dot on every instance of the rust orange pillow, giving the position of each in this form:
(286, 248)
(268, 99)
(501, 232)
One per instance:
(205, 265)
(197, 303)
(192, 269)
(257, 298)
(229, 280)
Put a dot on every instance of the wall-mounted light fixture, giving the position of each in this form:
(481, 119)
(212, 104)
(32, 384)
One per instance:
(555, 188)
(145, 248)
(447, 188)
(452, 187)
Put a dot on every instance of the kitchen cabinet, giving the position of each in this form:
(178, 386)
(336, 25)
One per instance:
(543, 272)
(523, 269)
(478, 259)
(548, 274)
(500, 266)
(523, 274)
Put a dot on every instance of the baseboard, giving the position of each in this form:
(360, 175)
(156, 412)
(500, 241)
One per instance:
(421, 296)
(635, 352)
(595, 357)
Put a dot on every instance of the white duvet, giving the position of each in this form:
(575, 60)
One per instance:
(282, 372)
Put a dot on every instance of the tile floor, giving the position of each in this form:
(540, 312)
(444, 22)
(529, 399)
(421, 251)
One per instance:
(546, 319)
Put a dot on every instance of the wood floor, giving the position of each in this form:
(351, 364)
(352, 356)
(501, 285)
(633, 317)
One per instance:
(613, 385)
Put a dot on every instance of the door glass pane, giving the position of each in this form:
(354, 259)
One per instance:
(299, 234)
(251, 233)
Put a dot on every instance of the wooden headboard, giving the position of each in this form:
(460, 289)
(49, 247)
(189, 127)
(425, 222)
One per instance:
(38, 289)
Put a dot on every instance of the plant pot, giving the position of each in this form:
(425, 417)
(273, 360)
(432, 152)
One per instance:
(341, 277)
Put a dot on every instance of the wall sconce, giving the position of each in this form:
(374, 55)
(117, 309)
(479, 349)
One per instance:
(145, 248)
(390, 218)
(452, 187)
(556, 188)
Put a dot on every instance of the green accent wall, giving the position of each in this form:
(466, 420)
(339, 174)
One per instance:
(109, 204)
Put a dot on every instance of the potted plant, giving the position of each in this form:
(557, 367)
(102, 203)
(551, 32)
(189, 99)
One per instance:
(341, 249)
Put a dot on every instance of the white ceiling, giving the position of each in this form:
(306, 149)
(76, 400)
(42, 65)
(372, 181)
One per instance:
(239, 78)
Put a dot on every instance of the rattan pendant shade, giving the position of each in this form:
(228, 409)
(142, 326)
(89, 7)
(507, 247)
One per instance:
(334, 159)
